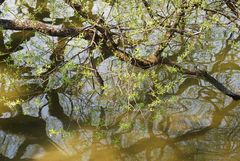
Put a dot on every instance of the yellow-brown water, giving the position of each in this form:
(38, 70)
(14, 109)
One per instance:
(200, 124)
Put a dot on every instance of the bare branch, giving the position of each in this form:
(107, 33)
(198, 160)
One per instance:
(51, 30)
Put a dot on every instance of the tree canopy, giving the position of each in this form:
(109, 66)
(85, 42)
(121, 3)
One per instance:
(80, 36)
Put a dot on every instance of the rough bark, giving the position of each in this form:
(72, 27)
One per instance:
(52, 30)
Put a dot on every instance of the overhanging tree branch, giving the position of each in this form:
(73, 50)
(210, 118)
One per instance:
(148, 63)
(113, 50)
(52, 30)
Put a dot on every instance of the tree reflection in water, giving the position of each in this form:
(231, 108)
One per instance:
(46, 115)
(148, 136)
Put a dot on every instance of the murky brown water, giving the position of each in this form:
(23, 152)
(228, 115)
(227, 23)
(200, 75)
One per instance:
(200, 123)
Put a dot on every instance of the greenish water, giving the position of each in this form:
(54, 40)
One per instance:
(198, 124)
